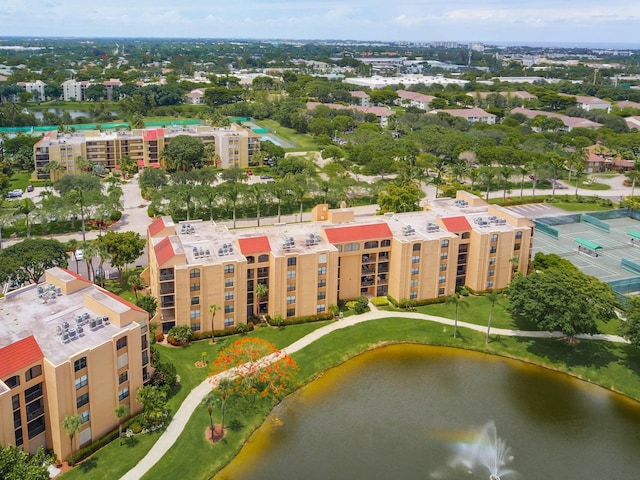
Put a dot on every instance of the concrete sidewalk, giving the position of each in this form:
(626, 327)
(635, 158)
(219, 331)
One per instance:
(197, 395)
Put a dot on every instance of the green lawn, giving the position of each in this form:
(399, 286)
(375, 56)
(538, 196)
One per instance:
(20, 180)
(611, 365)
(302, 141)
(580, 207)
(595, 186)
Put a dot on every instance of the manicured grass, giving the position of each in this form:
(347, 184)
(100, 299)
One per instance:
(477, 312)
(20, 180)
(595, 186)
(580, 207)
(302, 141)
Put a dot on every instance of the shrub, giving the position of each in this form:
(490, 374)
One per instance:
(136, 428)
(380, 301)
(115, 216)
(407, 304)
(159, 337)
(179, 335)
(241, 328)
(392, 300)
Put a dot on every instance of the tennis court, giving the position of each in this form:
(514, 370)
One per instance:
(603, 263)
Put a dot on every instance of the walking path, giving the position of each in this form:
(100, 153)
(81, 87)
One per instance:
(197, 395)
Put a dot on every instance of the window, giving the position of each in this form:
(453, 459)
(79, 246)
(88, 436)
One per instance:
(13, 382)
(443, 267)
(82, 400)
(228, 295)
(123, 377)
(145, 357)
(291, 274)
(371, 244)
(441, 291)
(352, 247)
(122, 394)
(322, 283)
(229, 269)
(84, 416)
(33, 372)
(291, 262)
(228, 309)
(194, 314)
(291, 299)
(15, 402)
(291, 287)
(228, 322)
(123, 360)
(195, 287)
(492, 260)
(491, 272)
(444, 243)
(416, 247)
(121, 343)
(415, 271)
(81, 382)
(228, 282)
(493, 249)
(413, 295)
(442, 279)
(465, 235)
(322, 270)
(195, 327)
(415, 259)
(291, 312)
(321, 308)
(494, 237)
(263, 258)
(36, 427)
(195, 300)
(251, 259)
(322, 258)
(385, 243)
(443, 256)
(414, 283)
(518, 235)
(322, 295)
(80, 364)
(194, 273)
(516, 247)
(490, 284)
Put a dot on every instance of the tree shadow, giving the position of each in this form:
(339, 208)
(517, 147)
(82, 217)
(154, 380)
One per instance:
(89, 464)
(130, 442)
(235, 425)
(630, 358)
(582, 353)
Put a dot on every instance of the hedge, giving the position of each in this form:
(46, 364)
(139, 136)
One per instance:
(93, 447)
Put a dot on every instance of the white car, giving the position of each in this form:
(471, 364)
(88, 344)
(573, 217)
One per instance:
(79, 255)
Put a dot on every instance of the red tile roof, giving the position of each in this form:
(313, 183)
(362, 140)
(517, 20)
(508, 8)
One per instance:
(357, 233)
(249, 246)
(156, 226)
(164, 251)
(19, 355)
(152, 134)
(456, 224)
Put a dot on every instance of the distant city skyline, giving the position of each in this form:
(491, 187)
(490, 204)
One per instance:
(543, 22)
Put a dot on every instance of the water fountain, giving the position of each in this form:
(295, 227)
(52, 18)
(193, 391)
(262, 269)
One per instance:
(486, 456)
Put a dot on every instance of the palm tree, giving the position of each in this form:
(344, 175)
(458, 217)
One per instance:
(213, 308)
(225, 386)
(135, 283)
(260, 291)
(121, 412)
(505, 172)
(26, 207)
(71, 424)
(493, 298)
(210, 402)
(459, 302)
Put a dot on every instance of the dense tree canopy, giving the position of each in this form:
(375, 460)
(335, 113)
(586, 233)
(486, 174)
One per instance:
(16, 464)
(184, 153)
(558, 297)
(27, 261)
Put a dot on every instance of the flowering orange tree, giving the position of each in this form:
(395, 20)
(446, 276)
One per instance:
(257, 367)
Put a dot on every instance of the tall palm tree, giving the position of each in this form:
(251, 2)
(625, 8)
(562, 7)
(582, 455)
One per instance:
(121, 412)
(493, 298)
(26, 207)
(260, 291)
(210, 402)
(225, 386)
(71, 424)
(456, 300)
(213, 308)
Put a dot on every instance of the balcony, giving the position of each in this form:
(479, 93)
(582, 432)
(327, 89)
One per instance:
(368, 270)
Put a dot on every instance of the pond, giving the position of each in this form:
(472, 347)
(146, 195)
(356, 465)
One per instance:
(415, 412)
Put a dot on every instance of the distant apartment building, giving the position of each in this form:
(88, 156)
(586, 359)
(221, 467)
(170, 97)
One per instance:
(364, 100)
(36, 89)
(68, 347)
(234, 146)
(569, 122)
(73, 90)
(307, 267)
(109, 86)
(471, 115)
(195, 97)
(590, 103)
(415, 99)
(381, 113)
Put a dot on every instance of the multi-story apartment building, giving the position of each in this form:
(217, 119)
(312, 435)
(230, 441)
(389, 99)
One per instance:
(234, 146)
(73, 90)
(307, 266)
(36, 89)
(67, 347)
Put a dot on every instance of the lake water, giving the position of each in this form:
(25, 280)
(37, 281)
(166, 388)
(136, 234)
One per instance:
(402, 412)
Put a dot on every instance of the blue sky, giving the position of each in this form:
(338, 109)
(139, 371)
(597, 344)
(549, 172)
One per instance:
(530, 21)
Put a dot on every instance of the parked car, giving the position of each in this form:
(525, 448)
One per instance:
(79, 255)
(265, 177)
(29, 188)
(17, 193)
